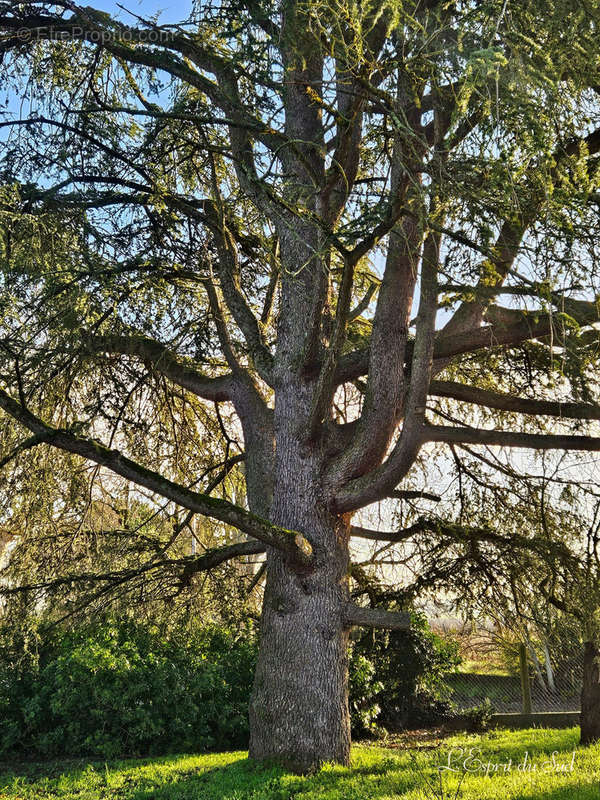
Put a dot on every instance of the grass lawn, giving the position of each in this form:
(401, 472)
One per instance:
(380, 772)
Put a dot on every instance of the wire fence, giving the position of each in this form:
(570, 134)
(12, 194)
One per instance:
(504, 692)
(521, 677)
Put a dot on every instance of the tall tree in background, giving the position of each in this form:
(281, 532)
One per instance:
(246, 209)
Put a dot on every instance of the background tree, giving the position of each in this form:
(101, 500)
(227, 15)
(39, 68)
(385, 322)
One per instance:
(241, 210)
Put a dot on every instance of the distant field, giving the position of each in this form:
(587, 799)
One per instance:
(482, 667)
(521, 765)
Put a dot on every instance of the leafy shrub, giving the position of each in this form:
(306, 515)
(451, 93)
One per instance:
(411, 667)
(121, 687)
(479, 717)
(363, 692)
(125, 687)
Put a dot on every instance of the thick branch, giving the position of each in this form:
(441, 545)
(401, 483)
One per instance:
(413, 494)
(377, 618)
(325, 387)
(293, 544)
(164, 361)
(535, 441)
(530, 327)
(508, 402)
(508, 243)
(523, 327)
(386, 536)
(28, 444)
(386, 354)
(189, 565)
(503, 255)
(212, 558)
(351, 99)
(252, 410)
(378, 482)
(375, 485)
(228, 268)
(466, 534)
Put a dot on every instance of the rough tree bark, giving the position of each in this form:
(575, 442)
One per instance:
(590, 694)
(299, 709)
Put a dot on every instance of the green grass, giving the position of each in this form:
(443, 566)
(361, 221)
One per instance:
(377, 773)
(482, 667)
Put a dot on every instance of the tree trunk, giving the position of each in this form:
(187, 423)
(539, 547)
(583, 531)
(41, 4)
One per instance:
(549, 670)
(590, 694)
(299, 707)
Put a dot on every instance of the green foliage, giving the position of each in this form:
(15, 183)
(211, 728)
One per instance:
(479, 717)
(128, 687)
(124, 687)
(364, 689)
(410, 667)
(121, 687)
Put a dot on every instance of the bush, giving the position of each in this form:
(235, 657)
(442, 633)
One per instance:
(479, 718)
(411, 667)
(363, 691)
(120, 687)
(124, 687)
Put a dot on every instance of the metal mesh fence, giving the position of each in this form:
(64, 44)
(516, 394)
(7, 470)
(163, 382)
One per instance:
(493, 670)
(469, 689)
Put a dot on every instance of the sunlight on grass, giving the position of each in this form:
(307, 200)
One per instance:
(520, 765)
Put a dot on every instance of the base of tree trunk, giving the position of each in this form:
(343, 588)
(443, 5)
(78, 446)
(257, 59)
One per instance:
(299, 709)
(590, 694)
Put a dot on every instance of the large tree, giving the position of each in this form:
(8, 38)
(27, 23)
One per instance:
(246, 209)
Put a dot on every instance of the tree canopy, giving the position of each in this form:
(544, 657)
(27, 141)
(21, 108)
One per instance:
(323, 239)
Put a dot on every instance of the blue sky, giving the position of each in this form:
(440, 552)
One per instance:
(173, 11)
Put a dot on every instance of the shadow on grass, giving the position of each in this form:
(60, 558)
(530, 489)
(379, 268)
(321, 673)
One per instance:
(75, 767)
(384, 779)
(376, 773)
(240, 780)
(244, 780)
(209, 777)
(77, 770)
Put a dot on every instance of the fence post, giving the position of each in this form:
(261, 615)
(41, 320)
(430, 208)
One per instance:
(525, 687)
